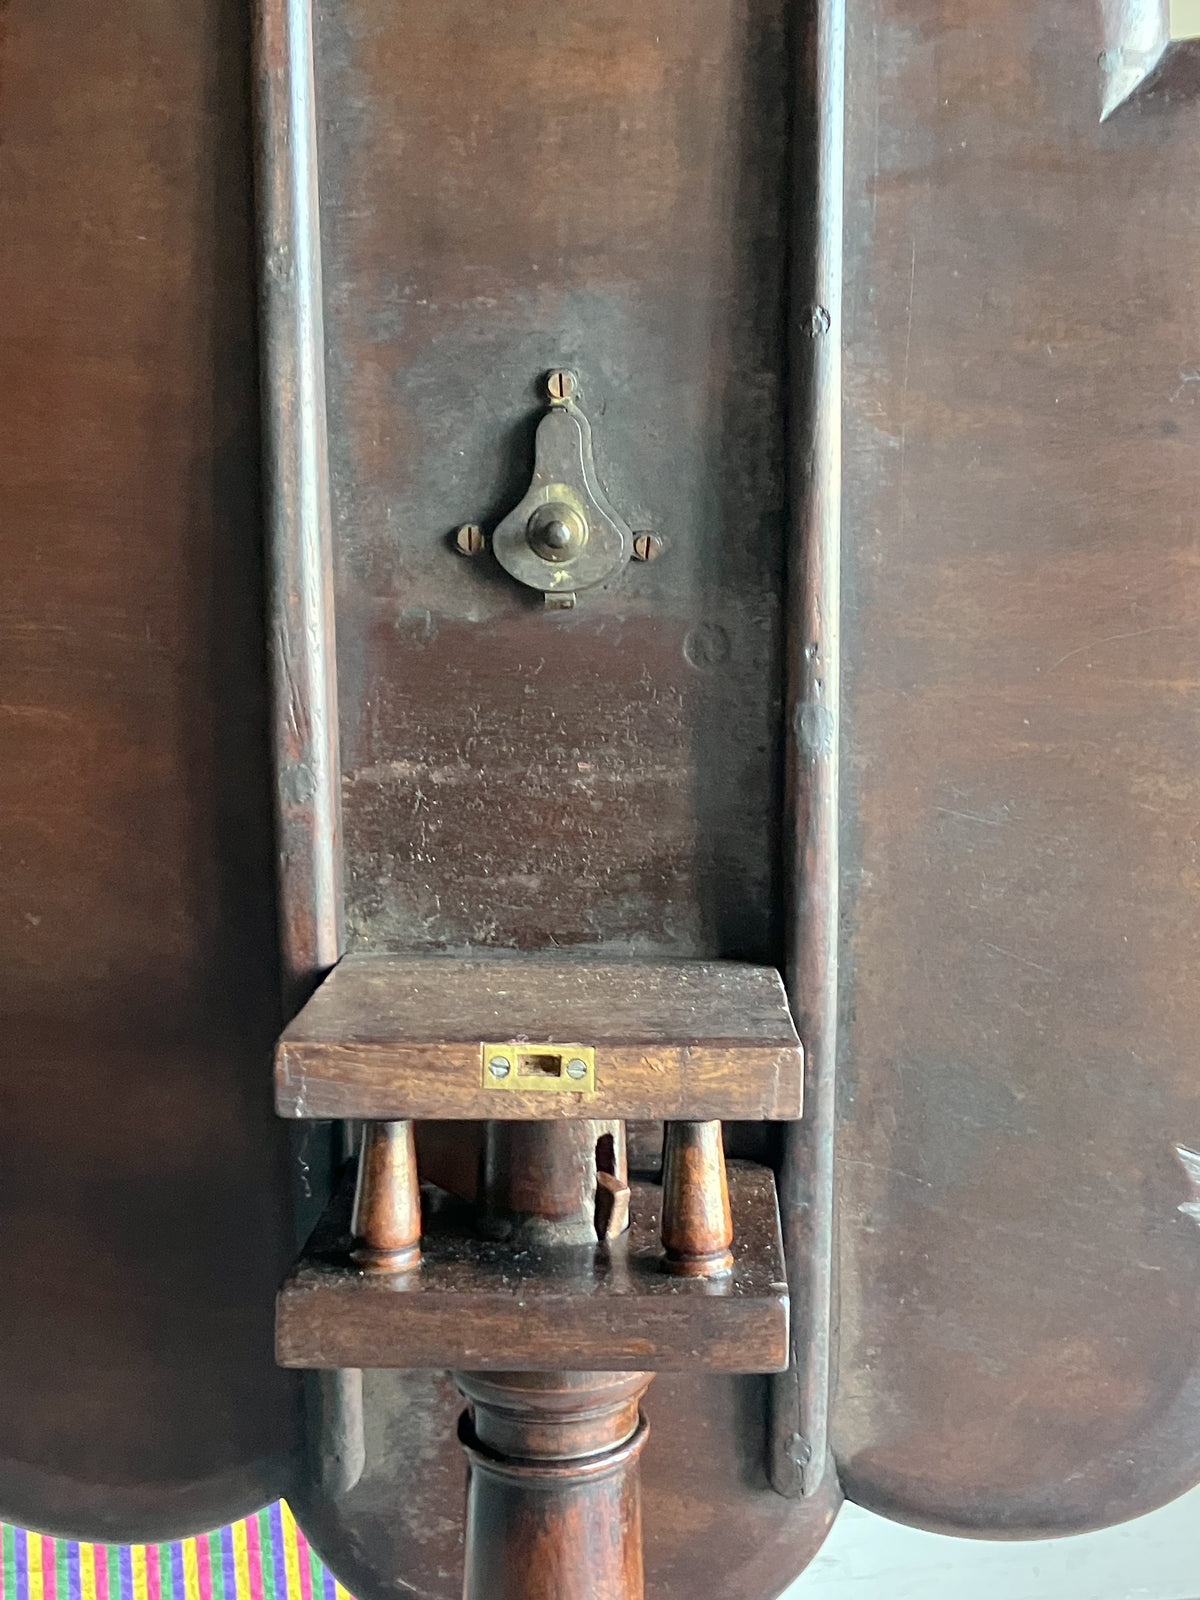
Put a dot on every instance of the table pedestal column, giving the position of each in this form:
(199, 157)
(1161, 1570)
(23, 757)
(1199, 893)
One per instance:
(553, 1507)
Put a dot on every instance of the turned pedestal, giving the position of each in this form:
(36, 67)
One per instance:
(553, 1503)
(552, 1288)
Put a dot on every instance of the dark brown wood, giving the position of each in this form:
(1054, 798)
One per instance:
(554, 1497)
(609, 780)
(697, 1225)
(385, 1225)
(671, 842)
(711, 1526)
(553, 1503)
(389, 1036)
(800, 1398)
(540, 1181)
(607, 777)
(1015, 858)
(296, 500)
(1019, 1290)
(487, 1305)
(144, 1214)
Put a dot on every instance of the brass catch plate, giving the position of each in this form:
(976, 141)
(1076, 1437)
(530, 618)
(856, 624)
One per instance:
(564, 535)
(526, 1068)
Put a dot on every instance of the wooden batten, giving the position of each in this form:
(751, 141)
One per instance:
(800, 1409)
(483, 1305)
(296, 472)
(405, 1036)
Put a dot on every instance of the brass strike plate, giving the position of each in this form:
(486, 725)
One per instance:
(537, 1068)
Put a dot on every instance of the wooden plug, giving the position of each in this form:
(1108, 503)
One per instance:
(387, 1200)
(612, 1206)
(697, 1225)
(612, 1181)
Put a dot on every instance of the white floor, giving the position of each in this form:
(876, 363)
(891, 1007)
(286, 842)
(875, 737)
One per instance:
(1156, 1557)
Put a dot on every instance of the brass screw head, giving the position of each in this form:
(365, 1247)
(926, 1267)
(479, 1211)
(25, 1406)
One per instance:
(647, 547)
(468, 541)
(561, 386)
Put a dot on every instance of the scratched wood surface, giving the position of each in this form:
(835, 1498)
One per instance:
(1020, 1274)
(139, 990)
(702, 1490)
(477, 1305)
(399, 1036)
(506, 189)
(1019, 1256)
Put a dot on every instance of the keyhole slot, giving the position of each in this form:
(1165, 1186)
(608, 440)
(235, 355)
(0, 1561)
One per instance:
(539, 1064)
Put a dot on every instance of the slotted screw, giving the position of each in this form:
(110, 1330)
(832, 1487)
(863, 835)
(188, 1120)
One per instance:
(561, 385)
(468, 541)
(647, 547)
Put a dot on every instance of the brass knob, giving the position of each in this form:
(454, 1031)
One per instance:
(556, 531)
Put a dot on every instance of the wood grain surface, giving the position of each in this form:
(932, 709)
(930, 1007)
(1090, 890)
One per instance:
(136, 897)
(554, 1488)
(507, 189)
(703, 1491)
(1020, 1278)
(478, 1305)
(401, 1036)
(1020, 1289)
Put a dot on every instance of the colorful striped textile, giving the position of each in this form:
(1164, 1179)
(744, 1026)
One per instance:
(263, 1557)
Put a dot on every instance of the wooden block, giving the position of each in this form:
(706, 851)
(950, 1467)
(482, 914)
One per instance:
(481, 1306)
(391, 1037)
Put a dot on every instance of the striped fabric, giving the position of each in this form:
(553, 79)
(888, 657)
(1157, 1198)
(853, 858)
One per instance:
(263, 1557)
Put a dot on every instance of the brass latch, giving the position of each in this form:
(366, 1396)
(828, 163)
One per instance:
(564, 535)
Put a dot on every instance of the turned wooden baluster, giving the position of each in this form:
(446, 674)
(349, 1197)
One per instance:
(553, 1505)
(387, 1200)
(697, 1226)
